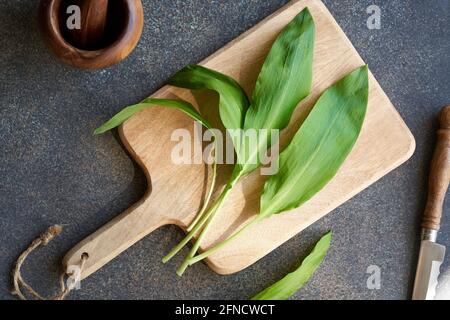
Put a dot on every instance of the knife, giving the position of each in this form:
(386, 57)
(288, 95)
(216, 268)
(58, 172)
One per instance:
(431, 253)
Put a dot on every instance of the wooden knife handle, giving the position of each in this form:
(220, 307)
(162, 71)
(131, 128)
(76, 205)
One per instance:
(439, 174)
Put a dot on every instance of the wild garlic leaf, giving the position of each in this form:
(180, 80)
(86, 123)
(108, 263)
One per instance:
(320, 146)
(291, 283)
(128, 112)
(233, 102)
(316, 152)
(285, 80)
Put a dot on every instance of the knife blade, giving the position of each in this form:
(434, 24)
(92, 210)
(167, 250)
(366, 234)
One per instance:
(431, 257)
(432, 254)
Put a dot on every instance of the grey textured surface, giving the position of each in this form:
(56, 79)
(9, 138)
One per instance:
(52, 170)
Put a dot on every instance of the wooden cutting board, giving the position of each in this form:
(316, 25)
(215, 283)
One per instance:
(176, 191)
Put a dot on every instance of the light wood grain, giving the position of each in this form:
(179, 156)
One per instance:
(384, 144)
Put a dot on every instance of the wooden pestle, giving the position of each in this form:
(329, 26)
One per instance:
(93, 23)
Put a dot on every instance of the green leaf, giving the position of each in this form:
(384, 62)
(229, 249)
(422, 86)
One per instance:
(284, 81)
(128, 112)
(320, 146)
(316, 152)
(233, 102)
(291, 283)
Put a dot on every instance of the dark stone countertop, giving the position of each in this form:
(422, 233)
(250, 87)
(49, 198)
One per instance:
(54, 171)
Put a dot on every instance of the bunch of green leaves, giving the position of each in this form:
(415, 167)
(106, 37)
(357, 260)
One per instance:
(313, 156)
(315, 153)
(285, 80)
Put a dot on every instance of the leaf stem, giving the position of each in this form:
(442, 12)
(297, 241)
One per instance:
(209, 221)
(189, 236)
(212, 250)
(208, 197)
(197, 227)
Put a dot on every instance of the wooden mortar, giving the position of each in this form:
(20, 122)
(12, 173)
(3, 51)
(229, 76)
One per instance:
(109, 31)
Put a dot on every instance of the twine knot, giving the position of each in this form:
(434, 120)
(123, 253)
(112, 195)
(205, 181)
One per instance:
(18, 281)
(51, 232)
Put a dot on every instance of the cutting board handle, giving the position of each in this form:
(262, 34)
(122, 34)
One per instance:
(113, 238)
(439, 174)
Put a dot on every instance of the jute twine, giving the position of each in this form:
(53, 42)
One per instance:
(18, 281)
